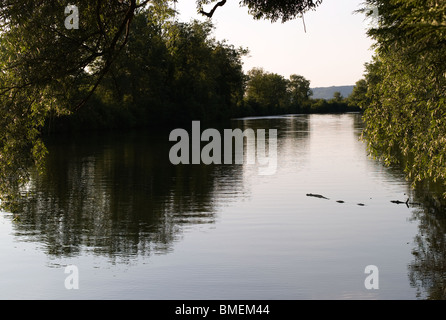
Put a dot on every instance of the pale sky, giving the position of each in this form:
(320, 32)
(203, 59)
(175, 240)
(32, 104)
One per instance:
(331, 53)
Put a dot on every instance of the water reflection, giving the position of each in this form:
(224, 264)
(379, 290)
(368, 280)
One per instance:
(427, 271)
(118, 196)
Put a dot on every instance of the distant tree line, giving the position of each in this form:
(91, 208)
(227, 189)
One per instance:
(172, 72)
(270, 93)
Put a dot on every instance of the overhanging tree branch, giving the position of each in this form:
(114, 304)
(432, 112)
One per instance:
(113, 52)
(211, 13)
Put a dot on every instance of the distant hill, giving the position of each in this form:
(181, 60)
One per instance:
(327, 92)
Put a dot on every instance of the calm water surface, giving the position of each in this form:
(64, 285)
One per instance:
(138, 227)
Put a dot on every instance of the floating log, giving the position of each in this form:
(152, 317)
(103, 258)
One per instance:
(316, 196)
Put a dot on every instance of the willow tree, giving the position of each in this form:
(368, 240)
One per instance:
(273, 10)
(47, 67)
(406, 86)
(54, 56)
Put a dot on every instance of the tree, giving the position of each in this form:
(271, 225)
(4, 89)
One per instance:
(273, 10)
(207, 77)
(358, 97)
(300, 91)
(47, 69)
(36, 47)
(267, 92)
(46, 45)
(170, 73)
(337, 96)
(406, 86)
(35, 39)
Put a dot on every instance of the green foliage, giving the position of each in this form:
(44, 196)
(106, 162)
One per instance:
(44, 71)
(273, 10)
(270, 93)
(128, 64)
(358, 97)
(109, 73)
(267, 92)
(406, 87)
(207, 77)
(335, 105)
(169, 74)
(300, 91)
(337, 96)
(279, 9)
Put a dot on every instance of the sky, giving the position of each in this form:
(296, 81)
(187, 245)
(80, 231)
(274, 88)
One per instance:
(332, 51)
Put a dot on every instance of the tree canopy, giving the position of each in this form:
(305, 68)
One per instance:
(42, 62)
(273, 10)
(406, 86)
(49, 71)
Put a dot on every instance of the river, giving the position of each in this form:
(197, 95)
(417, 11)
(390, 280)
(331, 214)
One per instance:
(135, 226)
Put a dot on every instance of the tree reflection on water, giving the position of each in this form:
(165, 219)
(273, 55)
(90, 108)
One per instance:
(119, 196)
